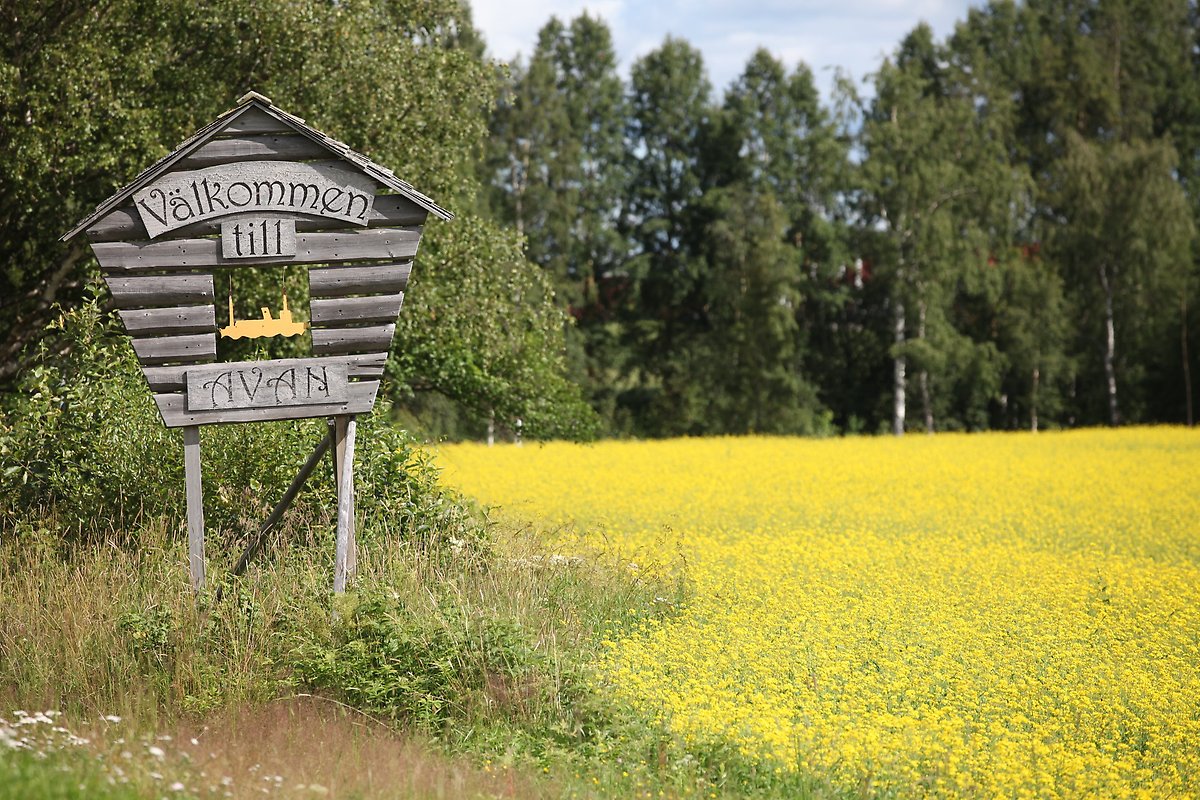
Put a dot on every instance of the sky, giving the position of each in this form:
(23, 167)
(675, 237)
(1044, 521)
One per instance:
(825, 34)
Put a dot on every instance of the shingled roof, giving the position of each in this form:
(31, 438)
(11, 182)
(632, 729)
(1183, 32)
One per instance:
(248, 102)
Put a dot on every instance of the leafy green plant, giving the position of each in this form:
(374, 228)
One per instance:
(81, 439)
(387, 658)
(148, 634)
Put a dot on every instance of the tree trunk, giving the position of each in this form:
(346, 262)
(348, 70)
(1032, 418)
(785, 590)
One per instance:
(898, 365)
(519, 182)
(1033, 398)
(926, 400)
(1110, 349)
(1187, 367)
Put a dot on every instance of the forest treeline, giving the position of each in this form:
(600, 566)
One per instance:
(993, 231)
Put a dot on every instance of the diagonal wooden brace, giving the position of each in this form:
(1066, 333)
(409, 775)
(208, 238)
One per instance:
(282, 506)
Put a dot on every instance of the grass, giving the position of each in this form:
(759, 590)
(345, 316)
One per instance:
(303, 747)
(457, 668)
(466, 649)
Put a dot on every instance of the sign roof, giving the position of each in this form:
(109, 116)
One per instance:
(254, 100)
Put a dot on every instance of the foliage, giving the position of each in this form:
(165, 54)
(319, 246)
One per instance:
(556, 171)
(942, 274)
(488, 633)
(388, 659)
(83, 444)
(28, 776)
(1123, 240)
(91, 95)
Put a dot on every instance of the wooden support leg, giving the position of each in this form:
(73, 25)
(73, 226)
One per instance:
(195, 505)
(345, 518)
(340, 424)
(282, 506)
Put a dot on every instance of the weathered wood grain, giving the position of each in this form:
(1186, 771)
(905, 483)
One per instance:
(195, 505)
(173, 378)
(337, 430)
(184, 197)
(284, 503)
(173, 407)
(165, 349)
(389, 210)
(176, 320)
(377, 308)
(266, 384)
(331, 341)
(345, 515)
(343, 281)
(160, 290)
(254, 148)
(255, 121)
(258, 236)
(311, 248)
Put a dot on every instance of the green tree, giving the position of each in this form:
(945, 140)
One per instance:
(937, 187)
(557, 172)
(1031, 329)
(770, 163)
(1098, 75)
(90, 95)
(754, 380)
(786, 142)
(1124, 236)
(664, 304)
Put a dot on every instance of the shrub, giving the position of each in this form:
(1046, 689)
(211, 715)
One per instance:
(81, 441)
(424, 668)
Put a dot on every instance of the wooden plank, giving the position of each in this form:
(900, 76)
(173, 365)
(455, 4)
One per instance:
(377, 308)
(311, 248)
(174, 378)
(165, 349)
(338, 431)
(345, 516)
(280, 507)
(343, 281)
(331, 341)
(389, 211)
(173, 407)
(278, 147)
(176, 320)
(195, 505)
(182, 198)
(255, 121)
(266, 384)
(144, 291)
(258, 236)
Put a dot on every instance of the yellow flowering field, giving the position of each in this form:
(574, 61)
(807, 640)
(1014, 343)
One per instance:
(989, 615)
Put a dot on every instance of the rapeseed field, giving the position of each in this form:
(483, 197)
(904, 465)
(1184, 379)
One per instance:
(989, 615)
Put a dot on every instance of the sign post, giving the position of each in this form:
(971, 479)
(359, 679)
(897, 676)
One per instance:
(259, 188)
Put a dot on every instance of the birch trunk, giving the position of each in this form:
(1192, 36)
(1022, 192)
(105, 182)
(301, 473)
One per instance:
(1110, 348)
(898, 367)
(1033, 420)
(926, 400)
(1187, 367)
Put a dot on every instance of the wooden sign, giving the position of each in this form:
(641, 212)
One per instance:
(266, 384)
(183, 198)
(257, 188)
(258, 237)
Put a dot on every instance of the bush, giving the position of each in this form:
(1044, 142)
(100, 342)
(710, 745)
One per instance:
(420, 667)
(82, 442)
